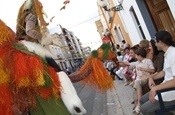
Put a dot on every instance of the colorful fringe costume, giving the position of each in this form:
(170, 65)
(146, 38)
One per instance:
(25, 78)
(29, 83)
(93, 72)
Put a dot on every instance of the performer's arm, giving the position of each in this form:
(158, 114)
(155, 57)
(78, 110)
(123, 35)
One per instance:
(31, 21)
(76, 77)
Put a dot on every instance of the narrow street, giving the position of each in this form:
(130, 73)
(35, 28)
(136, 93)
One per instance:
(114, 102)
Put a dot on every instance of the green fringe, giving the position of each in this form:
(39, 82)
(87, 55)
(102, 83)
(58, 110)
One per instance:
(94, 53)
(106, 48)
(48, 81)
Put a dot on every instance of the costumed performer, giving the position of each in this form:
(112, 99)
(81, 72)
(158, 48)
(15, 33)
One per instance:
(30, 25)
(32, 78)
(30, 32)
(35, 78)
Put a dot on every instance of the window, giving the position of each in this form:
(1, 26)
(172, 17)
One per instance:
(137, 23)
(118, 34)
(108, 16)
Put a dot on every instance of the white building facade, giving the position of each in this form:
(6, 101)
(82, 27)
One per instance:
(139, 21)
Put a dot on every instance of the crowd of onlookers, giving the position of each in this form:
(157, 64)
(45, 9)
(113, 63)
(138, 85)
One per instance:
(140, 65)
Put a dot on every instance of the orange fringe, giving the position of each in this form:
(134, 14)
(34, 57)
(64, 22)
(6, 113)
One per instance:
(26, 70)
(99, 77)
(25, 77)
(21, 76)
(38, 8)
(56, 86)
(54, 89)
(6, 33)
(4, 76)
(23, 98)
(5, 100)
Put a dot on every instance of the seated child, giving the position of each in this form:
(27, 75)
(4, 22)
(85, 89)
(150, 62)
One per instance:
(144, 67)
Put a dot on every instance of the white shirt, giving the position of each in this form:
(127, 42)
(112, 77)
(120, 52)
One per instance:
(145, 63)
(110, 65)
(120, 58)
(126, 57)
(169, 69)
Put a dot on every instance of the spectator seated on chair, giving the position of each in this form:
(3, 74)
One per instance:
(158, 61)
(150, 101)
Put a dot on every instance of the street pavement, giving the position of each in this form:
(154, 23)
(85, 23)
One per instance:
(92, 101)
(112, 102)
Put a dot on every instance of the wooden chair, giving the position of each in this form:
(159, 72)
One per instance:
(163, 109)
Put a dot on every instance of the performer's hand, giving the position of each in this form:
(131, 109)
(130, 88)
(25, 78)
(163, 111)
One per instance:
(46, 40)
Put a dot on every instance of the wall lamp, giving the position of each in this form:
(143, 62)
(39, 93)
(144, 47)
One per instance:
(117, 8)
(104, 4)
